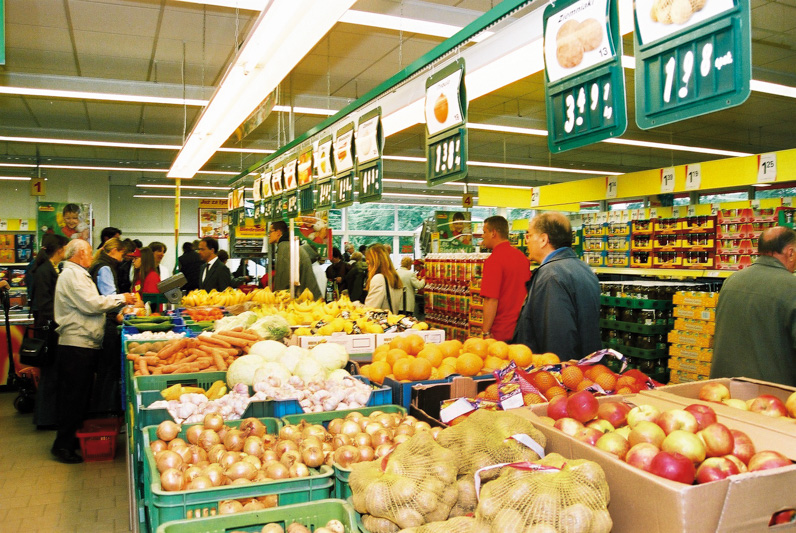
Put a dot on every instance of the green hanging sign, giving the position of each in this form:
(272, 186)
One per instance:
(344, 152)
(369, 143)
(446, 119)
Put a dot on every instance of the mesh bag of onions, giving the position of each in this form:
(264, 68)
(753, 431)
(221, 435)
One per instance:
(487, 437)
(461, 524)
(413, 485)
(553, 494)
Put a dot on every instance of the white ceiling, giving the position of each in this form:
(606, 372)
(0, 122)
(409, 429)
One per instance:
(147, 46)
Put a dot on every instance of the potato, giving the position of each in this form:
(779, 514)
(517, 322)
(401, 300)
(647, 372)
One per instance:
(295, 527)
(272, 528)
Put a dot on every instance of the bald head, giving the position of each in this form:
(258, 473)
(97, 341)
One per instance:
(780, 243)
(78, 251)
(556, 226)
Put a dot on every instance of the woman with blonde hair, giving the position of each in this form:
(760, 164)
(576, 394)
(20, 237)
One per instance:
(385, 290)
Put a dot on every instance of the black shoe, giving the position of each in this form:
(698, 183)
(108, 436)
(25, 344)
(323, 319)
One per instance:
(66, 456)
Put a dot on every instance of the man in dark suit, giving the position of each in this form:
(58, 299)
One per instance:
(215, 274)
(191, 267)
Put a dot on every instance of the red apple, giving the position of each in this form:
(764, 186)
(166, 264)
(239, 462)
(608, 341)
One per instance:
(614, 412)
(714, 392)
(767, 459)
(601, 425)
(641, 455)
(768, 405)
(614, 443)
(675, 419)
(740, 464)
(743, 448)
(642, 412)
(582, 406)
(673, 466)
(718, 440)
(684, 443)
(736, 403)
(567, 425)
(790, 405)
(646, 431)
(704, 415)
(557, 408)
(714, 469)
(588, 435)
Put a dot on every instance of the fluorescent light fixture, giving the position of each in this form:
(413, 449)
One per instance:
(109, 97)
(306, 110)
(506, 129)
(761, 185)
(134, 169)
(188, 187)
(166, 197)
(18, 165)
(677, 147)
(113, 144)
(14, 178)
(251, 5)
(392, 22)
(411, 195)
(281, 36)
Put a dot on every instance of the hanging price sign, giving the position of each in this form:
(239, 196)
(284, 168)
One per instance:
(611, 186)
(369, 141)
(343, 183)
(691, 58)
(693, 177)
(291, 201)
(344, 189)
(667, 179)
(325, 189)
(584, 79)
(446, 116)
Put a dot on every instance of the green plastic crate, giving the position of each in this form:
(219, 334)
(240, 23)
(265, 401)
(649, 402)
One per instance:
(641, 353)
(635, 303)
(327, 416)
(312, 515)
(634, 327)
(163, 506)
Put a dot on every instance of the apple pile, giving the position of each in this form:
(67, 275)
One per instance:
(765, 404)
(684, 445)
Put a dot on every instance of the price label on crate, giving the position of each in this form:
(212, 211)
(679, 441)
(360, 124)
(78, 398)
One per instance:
(693, 177)
(766, 168)
(690, 59)
(611, 186)
(667, 179)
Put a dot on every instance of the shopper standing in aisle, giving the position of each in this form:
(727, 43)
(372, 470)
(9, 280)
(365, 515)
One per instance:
(410, 283)
(356, 278)
(214, 274)
(349, 250)
(108, 233)
(79, 311)
(505, 273)
(385, 290)
(45, 275)
(190, 265)
(756, 315)
(278, 237)
(146, 274)
(319, 265)
(562, 311)
(159, 249)
(336, 273)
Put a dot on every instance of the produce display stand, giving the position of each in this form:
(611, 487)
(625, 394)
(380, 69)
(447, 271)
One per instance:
(312, 515)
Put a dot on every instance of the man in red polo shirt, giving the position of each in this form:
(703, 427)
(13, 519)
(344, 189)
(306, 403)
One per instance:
(506, 271)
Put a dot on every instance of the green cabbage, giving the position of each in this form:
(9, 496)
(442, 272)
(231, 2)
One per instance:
(269, 350)
(271, 327)
(243, 369)
(243, 320)
(330, 355)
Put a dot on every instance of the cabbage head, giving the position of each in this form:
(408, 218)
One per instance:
(271, 327)
(291, 357)
(275, 370)
(270, 351)
(308, 369)
(330, 355)
(243, 320)
(243, 369)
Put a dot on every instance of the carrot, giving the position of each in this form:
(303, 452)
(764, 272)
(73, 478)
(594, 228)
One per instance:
(133, 357)
(204, 363)
(151, 360)
(232, 340)
(240, 335)
(157, 372)
(214, 339)
(172, 348)
(167, 369)
(187, 367)
(190, 358)
(219, 361)
(142, 366)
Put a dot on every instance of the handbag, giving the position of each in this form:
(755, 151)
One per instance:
(34, 350)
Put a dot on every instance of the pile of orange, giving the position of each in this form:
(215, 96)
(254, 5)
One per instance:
(409, 358)
(576, 378)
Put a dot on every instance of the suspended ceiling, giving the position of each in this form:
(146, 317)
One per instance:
(182, 49)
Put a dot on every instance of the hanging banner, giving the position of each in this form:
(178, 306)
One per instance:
(305, 173)
(324, 171)
(446, 119)
(369, 143)
(343, 182)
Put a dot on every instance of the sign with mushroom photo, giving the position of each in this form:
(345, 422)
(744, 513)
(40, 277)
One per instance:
(657, 19)
(576, 38)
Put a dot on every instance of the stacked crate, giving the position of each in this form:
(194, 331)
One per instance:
(691, 349)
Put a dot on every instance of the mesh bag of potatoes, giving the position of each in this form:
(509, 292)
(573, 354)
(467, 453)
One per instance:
(548, 496)
(461, 524)
(487, 438)
(413, 485)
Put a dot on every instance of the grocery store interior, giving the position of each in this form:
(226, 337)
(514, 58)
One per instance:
(153, 115)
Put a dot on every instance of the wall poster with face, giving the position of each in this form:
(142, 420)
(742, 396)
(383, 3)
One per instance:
(72, 220)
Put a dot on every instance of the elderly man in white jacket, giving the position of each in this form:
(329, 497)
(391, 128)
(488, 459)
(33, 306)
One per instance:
(80, 314)
(411, 283)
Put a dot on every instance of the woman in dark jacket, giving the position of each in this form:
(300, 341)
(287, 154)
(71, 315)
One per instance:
(45, 276)
(356, 277)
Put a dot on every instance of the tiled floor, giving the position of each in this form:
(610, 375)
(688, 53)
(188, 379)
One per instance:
(39, 494)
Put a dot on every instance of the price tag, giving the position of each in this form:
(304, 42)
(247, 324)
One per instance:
(693, 177)
(344, 188)
(324, 194)
(23, 224)
(446, 117)
(3, 224)
(38, 187)
(714, 209)
(691, 211)
(787, 201)
(766, 168)
(535, 194)
(635, 215)
(268, 210)
(370, 182)
(467, 200)
(278, 208)
(611, 186)
(447, 158)
(667, 179)
(230, 201)
(292, 207)
(755, 204)
(653, 213)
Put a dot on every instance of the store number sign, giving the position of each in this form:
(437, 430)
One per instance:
(690, 61)
(584, 80)
(446, 116)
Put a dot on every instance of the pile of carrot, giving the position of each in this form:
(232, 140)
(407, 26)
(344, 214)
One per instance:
(205, 353)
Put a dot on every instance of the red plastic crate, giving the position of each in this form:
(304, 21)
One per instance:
(98, 439)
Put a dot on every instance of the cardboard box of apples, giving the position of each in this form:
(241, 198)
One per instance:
(673, 467)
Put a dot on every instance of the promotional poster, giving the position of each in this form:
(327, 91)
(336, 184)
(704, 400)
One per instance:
(455, 231)
(71, 220)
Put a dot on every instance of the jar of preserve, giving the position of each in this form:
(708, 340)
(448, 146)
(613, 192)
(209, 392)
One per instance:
(646, 317)
(627, 315)
(645, 342)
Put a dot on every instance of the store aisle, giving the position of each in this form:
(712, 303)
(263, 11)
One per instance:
(39, 494)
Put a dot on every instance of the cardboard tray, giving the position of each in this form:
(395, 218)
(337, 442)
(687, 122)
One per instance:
(643, 502)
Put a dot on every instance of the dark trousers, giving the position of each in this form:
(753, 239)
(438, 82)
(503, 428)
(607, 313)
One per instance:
(107, 397)
(76, 367)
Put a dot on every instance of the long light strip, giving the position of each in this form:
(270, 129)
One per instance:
(188, 187)
(114, 144)
(14, 178)
(280, 38)
(113, 169)
(167, 197)
(412, 195)
(106, 97)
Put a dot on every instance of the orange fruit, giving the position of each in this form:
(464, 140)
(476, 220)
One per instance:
(543, 380)
(494, 363)
(469, 364)
(419, 369)
(498, 349)
(491, 392)
(490, 341)
(596, 370)
(520, 354)
(402, 343)
(416, 343)
(403, 369)
(477, 346)
(381, 355)
(432, 353)
(555, 390)
(584, 384)
(606, 381)
(450, 361)
(379, 370)
(445, 370)
(381, 348)
(624, 390)
(531, 398)
(450, 348)
(364, 370)
(548, 358)
(625, 381)
(571, 376)
(394, 354)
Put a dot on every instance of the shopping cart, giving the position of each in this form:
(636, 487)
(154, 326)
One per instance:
(23, 380)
